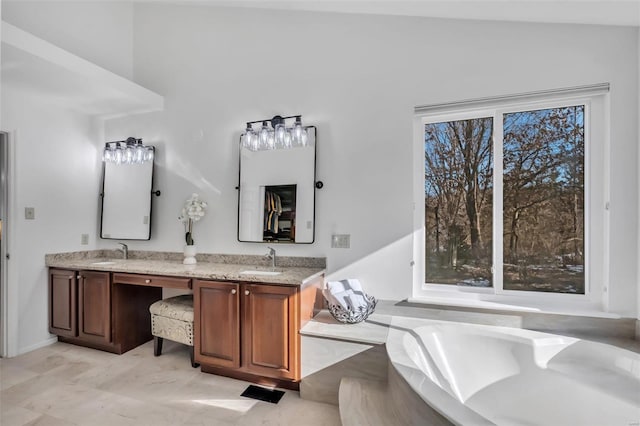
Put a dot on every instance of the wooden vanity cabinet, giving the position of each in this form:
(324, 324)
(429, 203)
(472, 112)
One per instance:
(80, 305)
(62, 302)
(216, 308)
(271, 344)
(248, 331)
(94, 306)
(104, 311)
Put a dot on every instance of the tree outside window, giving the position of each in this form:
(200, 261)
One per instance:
(542, 197)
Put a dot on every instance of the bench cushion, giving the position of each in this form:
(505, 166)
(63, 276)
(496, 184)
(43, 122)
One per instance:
(177, 307)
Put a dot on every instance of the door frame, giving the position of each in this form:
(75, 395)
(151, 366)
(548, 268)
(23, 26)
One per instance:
(8, 292)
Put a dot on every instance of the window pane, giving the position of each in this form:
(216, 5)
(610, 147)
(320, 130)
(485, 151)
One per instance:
(458, 202)
(543, 196)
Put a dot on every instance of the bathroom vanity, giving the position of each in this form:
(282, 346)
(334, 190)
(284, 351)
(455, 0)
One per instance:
(247, 316)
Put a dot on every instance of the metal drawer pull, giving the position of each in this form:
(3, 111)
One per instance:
(147, 281)
(233, 291)
(246, 292)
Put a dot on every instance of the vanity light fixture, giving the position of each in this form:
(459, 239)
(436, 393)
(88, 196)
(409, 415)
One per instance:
(130, 151)
(275, 134)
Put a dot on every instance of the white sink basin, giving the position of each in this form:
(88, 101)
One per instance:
(254, 272)
(104, 262)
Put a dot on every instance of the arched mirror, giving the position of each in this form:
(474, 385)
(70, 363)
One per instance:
(127, 190)
(276, 201)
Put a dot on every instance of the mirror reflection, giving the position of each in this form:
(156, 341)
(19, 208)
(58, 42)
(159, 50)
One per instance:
(126, 200)
(277, 193)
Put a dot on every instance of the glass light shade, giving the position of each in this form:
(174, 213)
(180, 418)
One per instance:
(128, 155)
(255, 141)
(118, 155)
(280, 135)
(139, 154)
(297, 132)
(271, 140)
(287, 138)
(246, 140)
(264, 135)
(106, 154)
(148, 155)
(249, 138)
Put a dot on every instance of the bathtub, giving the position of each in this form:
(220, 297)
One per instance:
(482, 375)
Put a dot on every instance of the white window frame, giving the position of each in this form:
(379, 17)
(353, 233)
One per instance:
(596, 197)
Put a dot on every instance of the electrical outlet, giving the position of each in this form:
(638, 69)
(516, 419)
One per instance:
(29, 213)
(341, 241)
(84, 239)
(145, 220)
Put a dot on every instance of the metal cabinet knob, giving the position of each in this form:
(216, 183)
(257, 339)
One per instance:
(79, 276)
(147, 281)
(234, 291)
(246, 292)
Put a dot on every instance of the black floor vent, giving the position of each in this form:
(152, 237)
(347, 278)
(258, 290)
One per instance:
(267, 395)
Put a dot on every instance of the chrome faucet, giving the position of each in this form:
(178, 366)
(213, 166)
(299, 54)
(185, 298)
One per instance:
(271, 255)
(124, 250)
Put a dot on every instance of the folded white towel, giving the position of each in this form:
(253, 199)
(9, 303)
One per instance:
(335, 300)
(347, 300)
(343, 285)
(357, 301)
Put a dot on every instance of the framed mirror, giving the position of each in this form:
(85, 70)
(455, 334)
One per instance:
(126, 200)
(276, 198)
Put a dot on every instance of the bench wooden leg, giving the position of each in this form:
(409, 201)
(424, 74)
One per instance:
(194, 364)
(157, 345)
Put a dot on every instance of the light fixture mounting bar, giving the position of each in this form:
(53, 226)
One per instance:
(275, 120)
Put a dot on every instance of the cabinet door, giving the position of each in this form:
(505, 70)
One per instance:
(94, 306)
(216, 309)
(62, 302)
(271, 341)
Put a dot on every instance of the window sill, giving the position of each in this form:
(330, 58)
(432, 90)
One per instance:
(485, 298)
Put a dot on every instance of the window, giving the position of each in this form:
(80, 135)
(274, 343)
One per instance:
(543, 200)
(458, 171)
(505, 197)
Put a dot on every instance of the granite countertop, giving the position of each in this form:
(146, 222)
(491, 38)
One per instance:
(293, 270)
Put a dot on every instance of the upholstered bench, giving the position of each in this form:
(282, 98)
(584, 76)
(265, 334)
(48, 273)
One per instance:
(172, 319)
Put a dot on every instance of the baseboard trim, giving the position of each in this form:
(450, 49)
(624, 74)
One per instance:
(50, 341)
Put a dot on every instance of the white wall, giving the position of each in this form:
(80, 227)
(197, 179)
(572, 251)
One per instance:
(55, 170)
(54, 155)
(98, 31)
(357, 78)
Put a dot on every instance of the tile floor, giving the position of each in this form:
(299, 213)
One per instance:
(65, 384)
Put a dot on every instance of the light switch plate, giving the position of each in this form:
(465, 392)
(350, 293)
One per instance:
(29, 213)
(341, 240)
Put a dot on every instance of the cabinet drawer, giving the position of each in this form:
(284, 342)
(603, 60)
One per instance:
(152, 281)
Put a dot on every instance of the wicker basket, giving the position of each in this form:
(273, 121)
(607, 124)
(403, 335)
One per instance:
(355, 316)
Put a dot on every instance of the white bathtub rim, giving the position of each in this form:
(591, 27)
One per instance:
(432, 394)
(438, 398)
